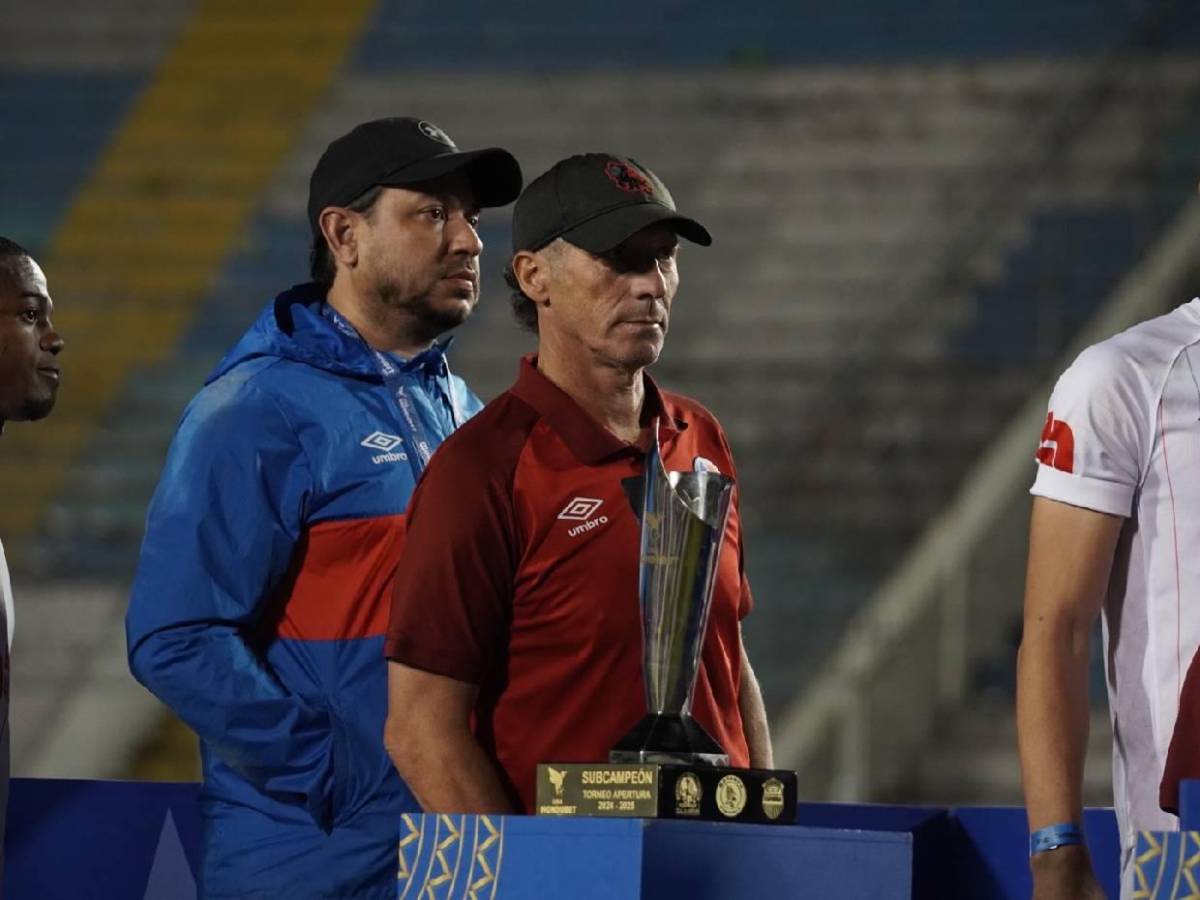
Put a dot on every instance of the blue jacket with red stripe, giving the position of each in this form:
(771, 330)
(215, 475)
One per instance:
(261, 600)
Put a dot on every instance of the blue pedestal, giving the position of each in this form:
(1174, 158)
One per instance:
(995, 859)
(141, 841)
(101, 839)
(1166, 864)
(522, 858)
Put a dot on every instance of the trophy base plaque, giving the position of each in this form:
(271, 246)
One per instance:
(657, 791)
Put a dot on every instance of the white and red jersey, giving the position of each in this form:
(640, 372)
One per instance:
(6, 610)
(6, 601)
(1122, 436)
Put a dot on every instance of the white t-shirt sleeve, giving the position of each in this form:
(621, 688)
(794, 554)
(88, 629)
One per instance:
(6, 597)
(1092, 452)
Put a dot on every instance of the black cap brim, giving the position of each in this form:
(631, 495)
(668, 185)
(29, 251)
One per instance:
(606, 231)
(495, 174)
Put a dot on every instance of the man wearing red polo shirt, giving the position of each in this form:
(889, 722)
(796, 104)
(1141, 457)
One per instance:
(515, 631)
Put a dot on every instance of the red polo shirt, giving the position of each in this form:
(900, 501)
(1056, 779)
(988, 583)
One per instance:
(520, 574)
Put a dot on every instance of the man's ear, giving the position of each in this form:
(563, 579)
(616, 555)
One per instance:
(531, 274)
(338, 227)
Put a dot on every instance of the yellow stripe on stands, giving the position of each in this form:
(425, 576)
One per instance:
(163, 208)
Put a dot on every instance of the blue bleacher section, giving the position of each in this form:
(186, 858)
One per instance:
(1069, 265)
(271, 256)
(1071, 260)
(804, 598)
(544, 34)
(55, 127)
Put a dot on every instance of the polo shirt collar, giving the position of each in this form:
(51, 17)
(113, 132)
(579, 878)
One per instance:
(590, 441)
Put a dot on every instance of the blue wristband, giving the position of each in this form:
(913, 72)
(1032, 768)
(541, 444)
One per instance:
(1054, 836)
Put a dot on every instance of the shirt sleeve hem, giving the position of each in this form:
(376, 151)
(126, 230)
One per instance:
(1078, 490)
(404, 653)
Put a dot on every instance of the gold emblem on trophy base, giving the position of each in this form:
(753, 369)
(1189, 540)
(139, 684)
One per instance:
(772, 798)
(687, 795)
(731, 795)
(557, 777)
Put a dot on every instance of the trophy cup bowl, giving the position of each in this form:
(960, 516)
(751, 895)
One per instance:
(683, 527)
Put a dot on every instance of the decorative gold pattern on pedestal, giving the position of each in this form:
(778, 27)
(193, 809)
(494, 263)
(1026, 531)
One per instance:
(488, 856)
(1189, 842)
(411, 840)
(440, 879)
(444, 849)
(1166, 866)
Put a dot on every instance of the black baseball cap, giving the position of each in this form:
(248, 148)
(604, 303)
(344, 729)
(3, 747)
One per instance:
(595, 201)
(400, 151)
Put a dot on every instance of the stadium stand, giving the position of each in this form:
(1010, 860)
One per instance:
(914, 209)
(159, 207)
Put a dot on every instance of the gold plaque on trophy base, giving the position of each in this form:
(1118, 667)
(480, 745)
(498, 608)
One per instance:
(658, 791)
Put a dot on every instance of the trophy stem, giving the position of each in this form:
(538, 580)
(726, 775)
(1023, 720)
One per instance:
(669, 738)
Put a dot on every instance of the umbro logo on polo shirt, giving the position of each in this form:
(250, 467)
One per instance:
(388, 443)
(580, 510)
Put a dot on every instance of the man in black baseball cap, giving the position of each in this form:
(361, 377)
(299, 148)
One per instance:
(526, 529)
(257, 611)
(593, 202)
(399, 152)
(405, 155)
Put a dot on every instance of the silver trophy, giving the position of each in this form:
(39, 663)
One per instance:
(683, 527)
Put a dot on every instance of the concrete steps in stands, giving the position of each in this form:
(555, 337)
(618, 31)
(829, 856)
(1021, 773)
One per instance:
(79, 35)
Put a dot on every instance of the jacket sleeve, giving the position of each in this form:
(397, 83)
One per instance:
(220, 534)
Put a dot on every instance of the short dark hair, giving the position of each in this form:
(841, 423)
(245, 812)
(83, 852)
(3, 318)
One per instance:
(10, 254)
(10, 249)
(523, 308)
(320, 264)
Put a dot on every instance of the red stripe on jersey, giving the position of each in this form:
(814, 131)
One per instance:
(340, 580)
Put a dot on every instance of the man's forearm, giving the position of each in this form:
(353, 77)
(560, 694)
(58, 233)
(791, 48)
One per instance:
(754, 718)
(1052, 720)
(450, 773)
(1052, 728)
(1071, 552)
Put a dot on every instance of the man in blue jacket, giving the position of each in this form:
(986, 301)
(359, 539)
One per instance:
(261, 598)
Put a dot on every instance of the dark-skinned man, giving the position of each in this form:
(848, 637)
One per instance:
(29, 377)
(260, 602)
(523, 531)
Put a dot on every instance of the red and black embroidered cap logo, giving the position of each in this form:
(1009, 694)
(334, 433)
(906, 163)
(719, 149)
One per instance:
(628, 178)
(401, 151)
(595, 201)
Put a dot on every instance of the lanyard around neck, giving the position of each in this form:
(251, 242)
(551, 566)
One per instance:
(419, 449)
